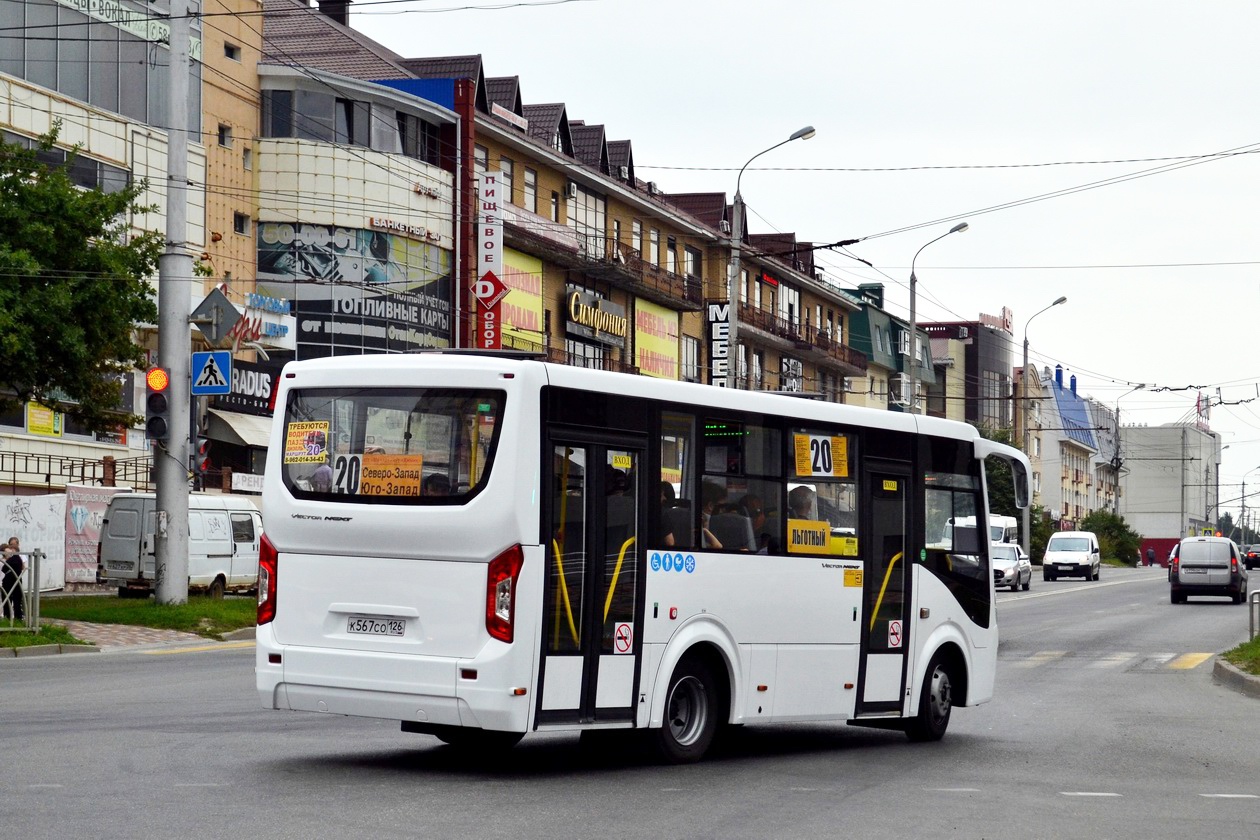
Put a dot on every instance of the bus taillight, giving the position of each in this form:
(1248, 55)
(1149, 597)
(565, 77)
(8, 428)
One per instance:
(501, 593)
(267, 556)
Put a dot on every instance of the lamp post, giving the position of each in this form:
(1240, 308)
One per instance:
(1242, 516)
(914, 359)
(1023, 409)
(1119, 461)
(737, 238)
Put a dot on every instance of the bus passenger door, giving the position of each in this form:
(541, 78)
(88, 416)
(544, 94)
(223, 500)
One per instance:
(592, 620)
(885, 544)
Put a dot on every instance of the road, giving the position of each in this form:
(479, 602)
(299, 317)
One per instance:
(1106, 723)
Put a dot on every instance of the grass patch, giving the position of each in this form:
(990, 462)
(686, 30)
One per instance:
(47, 635)
(1245, 657)
(208, 617)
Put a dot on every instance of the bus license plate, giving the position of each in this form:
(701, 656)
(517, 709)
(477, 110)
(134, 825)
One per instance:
(375, 625)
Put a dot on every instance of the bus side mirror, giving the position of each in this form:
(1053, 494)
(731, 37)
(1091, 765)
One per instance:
(1020, 476)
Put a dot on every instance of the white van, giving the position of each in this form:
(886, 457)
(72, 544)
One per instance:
(1071, 553)
(223, 541)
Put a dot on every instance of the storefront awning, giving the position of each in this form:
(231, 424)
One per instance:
(240, 429)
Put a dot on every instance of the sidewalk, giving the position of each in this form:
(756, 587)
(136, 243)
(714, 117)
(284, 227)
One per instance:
(113, 638)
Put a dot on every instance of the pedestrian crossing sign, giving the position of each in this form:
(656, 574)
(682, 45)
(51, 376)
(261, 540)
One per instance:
(211, 373)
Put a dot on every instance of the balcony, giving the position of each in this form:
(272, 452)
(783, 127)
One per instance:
(560, 356)
(597, 256)
(813, 344)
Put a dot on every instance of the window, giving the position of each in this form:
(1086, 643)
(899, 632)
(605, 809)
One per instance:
(691, 261)
(240, 223)
(225, 136)
(481, 159)
(690, 359)
(587, 215)
(531, 191)
(741, 492)
(953, 546)
(790, 305)
(353, 120)
(654, 246)
(758, 369)
(743, 286)
(555, 207)
(636, 236)
(247, 159)
(231, 51)
(507, 172)
(671, 255)
(616, 231)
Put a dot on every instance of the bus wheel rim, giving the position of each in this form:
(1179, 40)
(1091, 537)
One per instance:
(687, 710)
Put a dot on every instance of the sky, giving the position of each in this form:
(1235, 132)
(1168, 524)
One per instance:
(1105, 151)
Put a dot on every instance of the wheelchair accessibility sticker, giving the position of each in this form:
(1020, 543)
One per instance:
(666, 562)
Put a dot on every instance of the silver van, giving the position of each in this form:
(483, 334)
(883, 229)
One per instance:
(1071, 553)
(224, 535)
(1207, 566)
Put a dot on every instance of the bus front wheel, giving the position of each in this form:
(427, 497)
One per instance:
(935, 703)
(690, 713)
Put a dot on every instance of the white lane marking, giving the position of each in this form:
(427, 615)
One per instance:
(1229, 795)
(201, 784)
(1040, 658)
(953, 790)
(1087, 793)
(48, 786)
(1112, 659)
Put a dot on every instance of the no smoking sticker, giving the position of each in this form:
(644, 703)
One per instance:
(623, 638)
(894, 634)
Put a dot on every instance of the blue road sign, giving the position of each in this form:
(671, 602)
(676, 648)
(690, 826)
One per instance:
(212, 373)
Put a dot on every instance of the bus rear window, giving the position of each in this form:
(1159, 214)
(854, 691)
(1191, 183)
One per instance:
(390, 445)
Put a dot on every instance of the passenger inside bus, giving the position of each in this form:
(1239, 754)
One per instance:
(436, 484)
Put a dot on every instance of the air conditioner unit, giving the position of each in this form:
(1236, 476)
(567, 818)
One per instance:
(899, 390)
(964, 333)
(652, 188)
(903, 341)
(573, 188)
(724, 226)
(625, 173)
(850, 386)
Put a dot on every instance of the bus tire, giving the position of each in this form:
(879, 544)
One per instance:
(691, 712)
(935, 703)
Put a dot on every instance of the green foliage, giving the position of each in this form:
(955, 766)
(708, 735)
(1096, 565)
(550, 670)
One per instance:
(997, 475)
(1042, 526)
(1116, 540)
(72, 289)
(1245, 657)
(49, 634)
(207, 616)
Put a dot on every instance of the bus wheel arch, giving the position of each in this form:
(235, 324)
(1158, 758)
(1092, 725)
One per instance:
(944, 686)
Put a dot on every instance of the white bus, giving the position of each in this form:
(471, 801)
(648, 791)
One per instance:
(506, 546)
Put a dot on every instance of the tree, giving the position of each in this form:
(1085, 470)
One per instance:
(72, 288)
(1042, 526)
(1116, 540)
(997, 474)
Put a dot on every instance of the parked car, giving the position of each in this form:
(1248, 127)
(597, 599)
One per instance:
(1207, 566)
(1071, 553)
(1251, 556)
(1011, 566)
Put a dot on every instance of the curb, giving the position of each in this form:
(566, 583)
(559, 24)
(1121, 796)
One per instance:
(241, 635)
(1231, 677)
(49, 650)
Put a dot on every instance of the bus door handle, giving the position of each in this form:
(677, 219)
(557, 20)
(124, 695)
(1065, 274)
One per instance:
(924, 612)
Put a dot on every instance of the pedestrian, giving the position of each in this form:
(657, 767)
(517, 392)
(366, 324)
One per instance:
(11, 598)
(1150, 556)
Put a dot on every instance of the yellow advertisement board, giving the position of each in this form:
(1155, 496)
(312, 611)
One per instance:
(391, 475)
(523, 306)
(306, 443)
(42, 420)
(655, 340)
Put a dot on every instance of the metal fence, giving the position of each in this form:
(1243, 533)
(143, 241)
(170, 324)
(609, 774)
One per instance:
(19, 596)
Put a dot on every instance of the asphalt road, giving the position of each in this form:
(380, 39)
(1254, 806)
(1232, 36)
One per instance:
(1106, 723)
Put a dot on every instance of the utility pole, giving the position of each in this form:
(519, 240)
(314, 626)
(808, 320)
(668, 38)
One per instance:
(175, 279)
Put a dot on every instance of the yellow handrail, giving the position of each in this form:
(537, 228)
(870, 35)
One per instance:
(883, 587)
(612, 587)
(564, 591)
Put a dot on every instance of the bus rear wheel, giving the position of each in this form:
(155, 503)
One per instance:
(690, 713)
(935, 703)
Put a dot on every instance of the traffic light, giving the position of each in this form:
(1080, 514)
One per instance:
(201, 456)
(157, 405)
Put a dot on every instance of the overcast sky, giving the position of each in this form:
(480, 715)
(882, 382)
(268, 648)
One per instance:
(932, 112)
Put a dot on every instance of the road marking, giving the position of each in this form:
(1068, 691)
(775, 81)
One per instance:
(1041, 658)
(1189, 660)
(1084, 587)
(953, 790)
(201, 784)
(50, 786)
(1229, 795)
(1087, 793)
(1111, 660)
(200, 648)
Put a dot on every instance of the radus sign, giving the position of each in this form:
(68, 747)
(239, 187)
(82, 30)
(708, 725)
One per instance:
(253, 388)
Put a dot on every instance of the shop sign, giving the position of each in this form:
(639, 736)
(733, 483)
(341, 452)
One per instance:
(718, 320)
(596, 318)
(253, 388)
(44, 421)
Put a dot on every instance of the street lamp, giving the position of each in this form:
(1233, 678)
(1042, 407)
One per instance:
(737, 238)
(1119, 460)
(1242, 516)
(914, 360)
(1027, 517)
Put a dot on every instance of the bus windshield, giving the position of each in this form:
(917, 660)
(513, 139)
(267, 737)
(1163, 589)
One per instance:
(392, 446)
